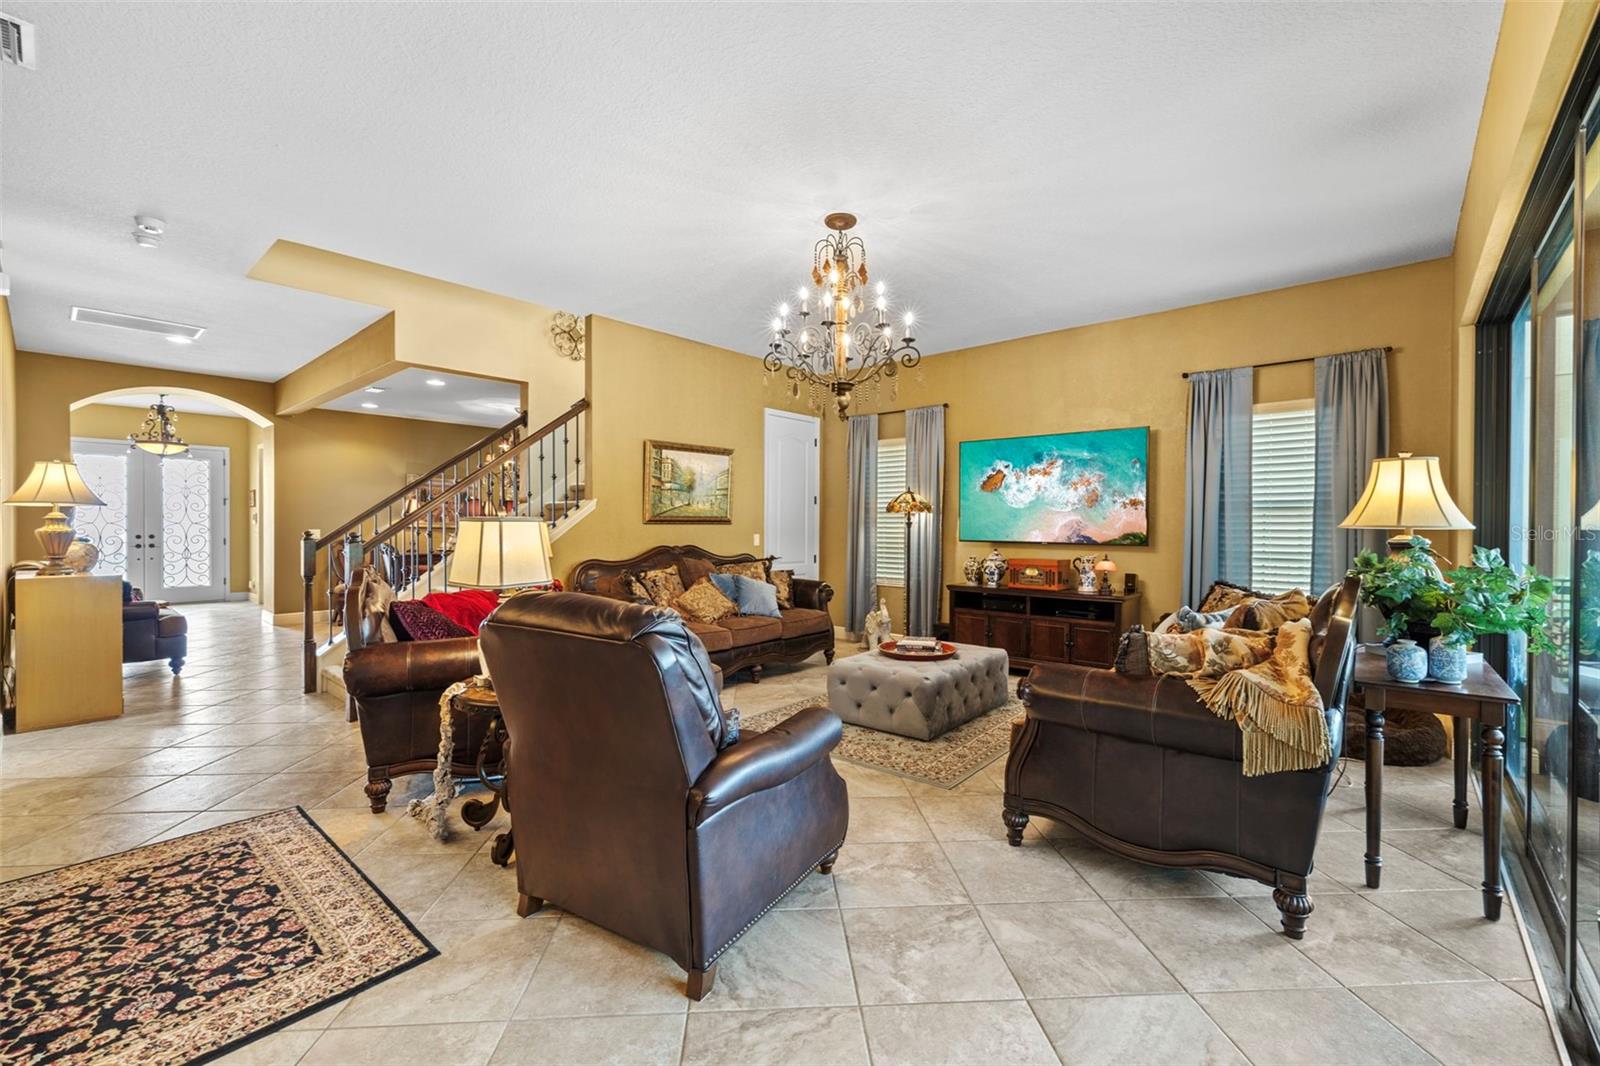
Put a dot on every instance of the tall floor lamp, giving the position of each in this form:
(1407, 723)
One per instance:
(909, 504)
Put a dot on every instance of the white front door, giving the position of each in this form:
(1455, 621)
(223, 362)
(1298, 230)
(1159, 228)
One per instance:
(164, 526)
(793, 462)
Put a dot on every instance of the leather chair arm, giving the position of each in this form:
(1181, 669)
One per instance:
(764, 761)
(812, 594)
(140, 610)
(410, 666)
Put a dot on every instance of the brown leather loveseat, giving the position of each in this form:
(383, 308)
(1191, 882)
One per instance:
(1141, 767)
(626, 812)
(734, 643)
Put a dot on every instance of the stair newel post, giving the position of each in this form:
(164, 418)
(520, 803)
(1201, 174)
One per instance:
(308, 571)
(354, 548)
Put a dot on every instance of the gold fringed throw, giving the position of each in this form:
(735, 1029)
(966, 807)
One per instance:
(1276, 705)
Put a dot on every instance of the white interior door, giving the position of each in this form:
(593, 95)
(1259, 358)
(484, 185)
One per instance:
(793, 475)
(164, 526)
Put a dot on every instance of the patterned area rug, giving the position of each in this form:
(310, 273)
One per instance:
(943, 761)
(182, 950)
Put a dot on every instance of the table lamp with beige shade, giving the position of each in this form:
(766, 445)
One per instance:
(1405, 492)
(501, 552)
(55, 483)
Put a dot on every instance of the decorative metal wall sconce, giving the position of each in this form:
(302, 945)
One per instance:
(566, 332)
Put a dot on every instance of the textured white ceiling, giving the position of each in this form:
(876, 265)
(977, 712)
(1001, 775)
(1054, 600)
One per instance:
(1016, 168)
(183, 405)
(462, 400)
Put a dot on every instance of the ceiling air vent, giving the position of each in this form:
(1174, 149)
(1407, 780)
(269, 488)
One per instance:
(17, 42)
(157, 326)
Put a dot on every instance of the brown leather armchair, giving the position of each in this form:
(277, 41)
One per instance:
(1141, 767)
(625, 812)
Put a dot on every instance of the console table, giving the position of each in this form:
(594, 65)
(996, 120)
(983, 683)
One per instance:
(1483, 697)
(1041, 624)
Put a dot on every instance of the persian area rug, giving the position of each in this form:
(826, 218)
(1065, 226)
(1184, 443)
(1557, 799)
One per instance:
(943, 761)
(182, 950)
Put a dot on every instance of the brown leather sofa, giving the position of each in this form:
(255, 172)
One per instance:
(395, 687)
(736, 643)
(1141, 767)
(625, 812)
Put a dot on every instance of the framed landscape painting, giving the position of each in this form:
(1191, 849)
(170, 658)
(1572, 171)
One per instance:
(687, 483)
(1058, 488)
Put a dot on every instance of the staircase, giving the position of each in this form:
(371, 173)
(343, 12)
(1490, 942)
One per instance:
(411, 533)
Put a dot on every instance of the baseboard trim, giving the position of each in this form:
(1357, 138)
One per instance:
(297, 619)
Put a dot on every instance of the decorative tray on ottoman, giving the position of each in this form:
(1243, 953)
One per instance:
(892, 649)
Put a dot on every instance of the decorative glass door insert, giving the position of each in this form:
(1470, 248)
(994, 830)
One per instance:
(164, 524)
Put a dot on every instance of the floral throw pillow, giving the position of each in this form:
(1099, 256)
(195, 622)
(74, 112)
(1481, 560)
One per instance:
(1224, 595)
(662, 586)
(756, 569)
(1269, 612)
(1206, 652)
(705, 603)
(783, 581)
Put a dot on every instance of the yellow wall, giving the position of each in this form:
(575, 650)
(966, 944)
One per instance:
(325, 465)
(108, 422)
(435, 324)
(331, 465)
(1128, 373)
(649, 385)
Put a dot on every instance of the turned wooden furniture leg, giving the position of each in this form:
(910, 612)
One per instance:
(1294, 906)
(827, 656)
(527, 905)
(1494, 762)
(755, 676)
(1463, 755)
(377, 791)
(1016, 822)
(826, 865)
(700, 982)
(1375, 722)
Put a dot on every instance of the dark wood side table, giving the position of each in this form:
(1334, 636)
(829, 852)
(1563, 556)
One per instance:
(482, 700)
(1483, 697)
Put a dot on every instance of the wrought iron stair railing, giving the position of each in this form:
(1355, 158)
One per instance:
(411, 533)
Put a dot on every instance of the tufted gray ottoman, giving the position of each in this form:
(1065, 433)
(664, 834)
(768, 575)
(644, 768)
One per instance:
(918, 700)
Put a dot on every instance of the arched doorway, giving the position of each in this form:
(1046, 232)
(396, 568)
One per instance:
(191, 527)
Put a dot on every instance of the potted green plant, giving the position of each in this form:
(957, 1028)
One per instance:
(1454, 607)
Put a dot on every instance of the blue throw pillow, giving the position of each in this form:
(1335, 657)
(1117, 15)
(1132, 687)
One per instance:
(755, 597)
(728, 585)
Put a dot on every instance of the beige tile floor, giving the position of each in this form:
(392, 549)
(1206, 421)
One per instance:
(932, 942)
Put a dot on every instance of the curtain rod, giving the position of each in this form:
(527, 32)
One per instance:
(903, 410)
(1290, 362)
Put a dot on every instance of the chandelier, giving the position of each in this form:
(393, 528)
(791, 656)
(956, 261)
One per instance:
(159, 434)
(848, 347)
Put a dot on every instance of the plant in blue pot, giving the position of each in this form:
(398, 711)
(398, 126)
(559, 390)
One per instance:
(1486, 597)
(1448, 610)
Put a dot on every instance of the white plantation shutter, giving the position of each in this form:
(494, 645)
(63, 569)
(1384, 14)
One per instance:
(1283, 449)
(891, 527)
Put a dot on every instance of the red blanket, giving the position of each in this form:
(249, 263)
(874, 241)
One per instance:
(467, 608)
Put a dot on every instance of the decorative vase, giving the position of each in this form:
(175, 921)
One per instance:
(1407, 661)
(1447, 660)
(994, 569)
(972, 570)
(82, 556)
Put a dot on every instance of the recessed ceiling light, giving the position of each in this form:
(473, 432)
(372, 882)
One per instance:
(437, 383)
(374, 389)
(147, 231)
(178, 338)
(370, 406)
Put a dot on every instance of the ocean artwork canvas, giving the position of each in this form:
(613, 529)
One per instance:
(1057, 488)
